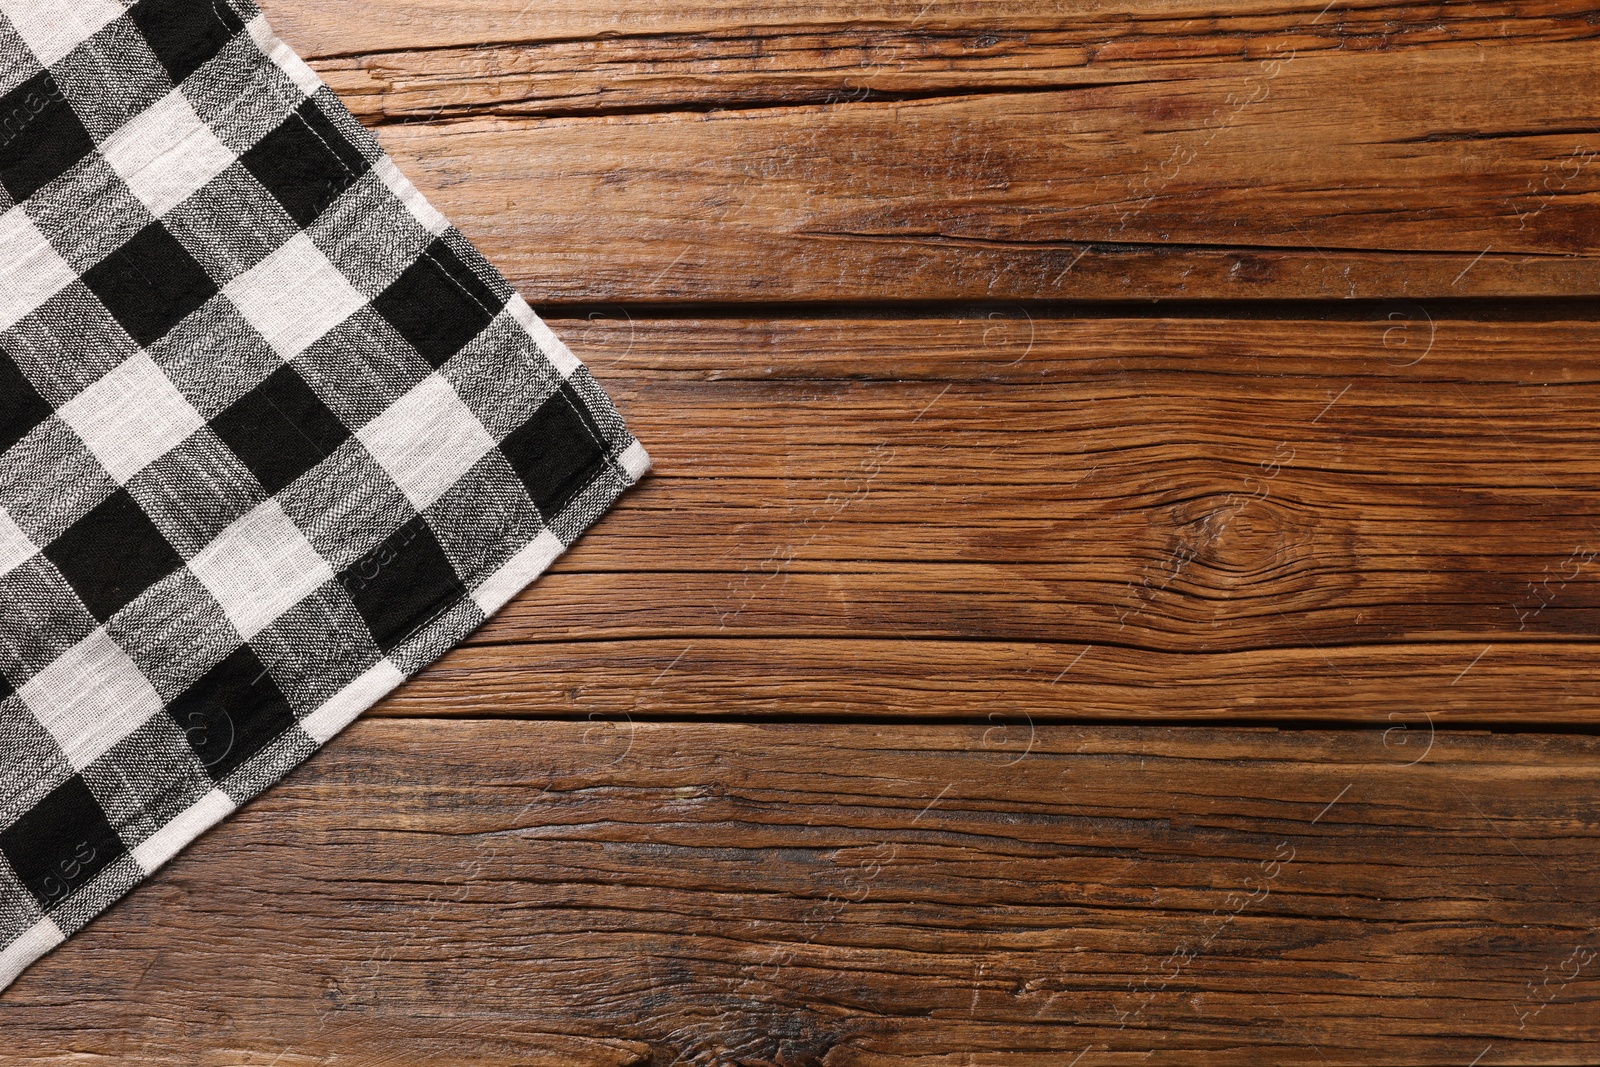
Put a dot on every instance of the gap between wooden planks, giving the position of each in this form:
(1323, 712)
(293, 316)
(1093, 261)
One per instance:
(492, 893)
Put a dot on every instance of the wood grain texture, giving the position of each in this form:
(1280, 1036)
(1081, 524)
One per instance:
(1158, 657)
(524, 893)
(507, 66)
(1253, 156)
(1280, 518)
(356, 27)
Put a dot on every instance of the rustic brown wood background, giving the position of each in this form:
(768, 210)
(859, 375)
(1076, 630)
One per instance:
(1120, 583)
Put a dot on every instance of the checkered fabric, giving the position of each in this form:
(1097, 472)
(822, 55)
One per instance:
(273, 436)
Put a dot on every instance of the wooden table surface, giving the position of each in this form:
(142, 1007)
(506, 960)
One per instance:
(1120, 582)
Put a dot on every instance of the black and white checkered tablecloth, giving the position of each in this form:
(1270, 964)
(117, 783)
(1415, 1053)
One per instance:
(273, 436)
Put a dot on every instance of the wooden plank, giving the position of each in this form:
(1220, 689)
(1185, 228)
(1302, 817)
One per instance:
(1210, 188)
(496, 893)
(1272, 172)
(1016, 685)
(934, 516)
(1110, 30)
(505, 65)
(344, 27)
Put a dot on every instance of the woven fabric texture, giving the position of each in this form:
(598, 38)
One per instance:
(273, 437)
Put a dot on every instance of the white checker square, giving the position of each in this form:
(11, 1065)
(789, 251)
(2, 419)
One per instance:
(260, 567)
(131, 416)
(90, 698)
(287, 60)
(635, 461)
(52, 28)
(555, 349)
(31, 271)
(294, 296)
(518, 571)
(165, 153)
(342, 708)
(426, 440)
(40, 938)
(14, 544)
(409, 195)
(185, 827)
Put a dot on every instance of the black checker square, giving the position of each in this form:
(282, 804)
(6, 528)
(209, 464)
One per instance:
(41, 137)
(21, 406)
(556, 452)
(402, 584)
(112, 554)
(438, 304)
(306, 163)
(150, 284)
(280, 429)
(61, 843)
(233, 712)
(185, 34)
